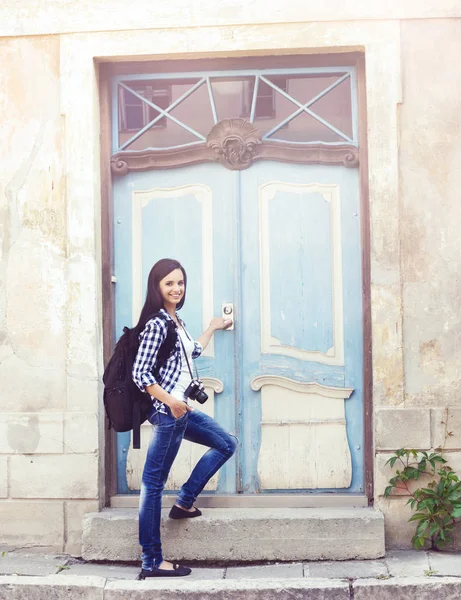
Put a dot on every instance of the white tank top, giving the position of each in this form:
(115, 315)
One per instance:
(184, 376)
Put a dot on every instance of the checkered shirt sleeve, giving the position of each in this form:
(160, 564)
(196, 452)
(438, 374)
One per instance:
(151, 339)
(197, 351)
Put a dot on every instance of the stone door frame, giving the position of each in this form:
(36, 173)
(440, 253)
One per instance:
(85, 106)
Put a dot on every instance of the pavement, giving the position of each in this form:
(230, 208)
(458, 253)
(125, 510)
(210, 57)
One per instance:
(401, 574)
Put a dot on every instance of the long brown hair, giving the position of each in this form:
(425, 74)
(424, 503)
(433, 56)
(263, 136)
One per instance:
(154, 300)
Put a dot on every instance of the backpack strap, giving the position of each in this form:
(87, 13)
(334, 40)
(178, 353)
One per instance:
(137, 425)
(168, 344)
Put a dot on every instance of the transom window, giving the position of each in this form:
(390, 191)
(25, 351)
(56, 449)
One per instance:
(300, 106)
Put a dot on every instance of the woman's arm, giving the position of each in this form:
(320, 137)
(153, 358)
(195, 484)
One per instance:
(152, 338)
(215, 324)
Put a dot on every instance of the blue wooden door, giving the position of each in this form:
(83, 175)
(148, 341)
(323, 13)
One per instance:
(282, 243)
(279, 241)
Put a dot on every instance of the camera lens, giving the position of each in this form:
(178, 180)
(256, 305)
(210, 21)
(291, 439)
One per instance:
(201, 396)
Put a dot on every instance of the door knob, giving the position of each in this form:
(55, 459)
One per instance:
(227, 310)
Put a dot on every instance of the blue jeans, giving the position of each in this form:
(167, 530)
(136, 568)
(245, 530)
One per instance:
(167, 435)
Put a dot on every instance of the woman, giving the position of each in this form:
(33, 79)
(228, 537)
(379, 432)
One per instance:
(172, 417)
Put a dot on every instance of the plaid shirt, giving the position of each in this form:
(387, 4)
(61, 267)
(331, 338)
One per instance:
(150, 341)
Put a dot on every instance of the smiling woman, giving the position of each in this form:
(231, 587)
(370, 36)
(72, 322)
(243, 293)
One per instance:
(171, 386)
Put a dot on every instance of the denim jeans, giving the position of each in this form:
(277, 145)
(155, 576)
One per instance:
(167, 435)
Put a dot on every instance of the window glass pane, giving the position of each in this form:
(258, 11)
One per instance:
(164, 137)
(133, 117)
(305, 128)
(305, 87)
(134, 113)
(336, 107)
(195, 110)
(232, 97)
(281, 109)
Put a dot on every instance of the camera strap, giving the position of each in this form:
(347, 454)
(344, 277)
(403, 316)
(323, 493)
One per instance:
(187, 360)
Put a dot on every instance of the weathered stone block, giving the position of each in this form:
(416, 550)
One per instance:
(402, 428)
(60, 476)
(405, 588)
(31, 433)
(243, 535)
(383, 473)
(267, 589)
(281, 570)
(407, 563)
(32, 524)
(445, 422)
(82, 394)
(83, 352)
(81, 432)
(14, 563)
(396, 514)
(49, 386)
(3, 477)
(346, 569)
(51, 586)
(36, 289)
(387, 344)
(75, 511)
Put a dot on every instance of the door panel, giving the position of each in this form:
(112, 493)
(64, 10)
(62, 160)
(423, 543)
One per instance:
(301, 329)
(187, 214)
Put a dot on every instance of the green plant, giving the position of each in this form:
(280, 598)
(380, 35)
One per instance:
(430, 573)
(437, 505)
(61, 568)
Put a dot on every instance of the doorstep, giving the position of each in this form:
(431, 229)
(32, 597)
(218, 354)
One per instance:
(254, 500)
(229, 535)
(399, 576)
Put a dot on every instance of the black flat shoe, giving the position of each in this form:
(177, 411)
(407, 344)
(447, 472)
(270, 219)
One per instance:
(179, 513)
(177, 571)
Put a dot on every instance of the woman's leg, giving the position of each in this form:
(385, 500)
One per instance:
(204, 430)
(167, 434)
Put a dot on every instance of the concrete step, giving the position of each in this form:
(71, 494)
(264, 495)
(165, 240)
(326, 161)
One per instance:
(98, 588)
(242, 535)
(399, 576)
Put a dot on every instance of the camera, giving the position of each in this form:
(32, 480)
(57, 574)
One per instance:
(196, 391)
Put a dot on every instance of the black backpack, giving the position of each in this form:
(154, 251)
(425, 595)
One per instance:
(126, 406)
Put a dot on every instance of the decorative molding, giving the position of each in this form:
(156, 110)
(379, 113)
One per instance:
(215, 384)
(236, 144)
(318, 154)
(299, 386)
(170, 158)
(269, 343)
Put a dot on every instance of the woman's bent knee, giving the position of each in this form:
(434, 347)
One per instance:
(232, 443)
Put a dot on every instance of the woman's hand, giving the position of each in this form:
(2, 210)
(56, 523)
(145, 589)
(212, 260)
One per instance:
(220, 323)
(178, 407)
(215, 324)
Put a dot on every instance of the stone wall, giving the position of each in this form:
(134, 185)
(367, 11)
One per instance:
(430, 211)
(50, 300)
(49, 435)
